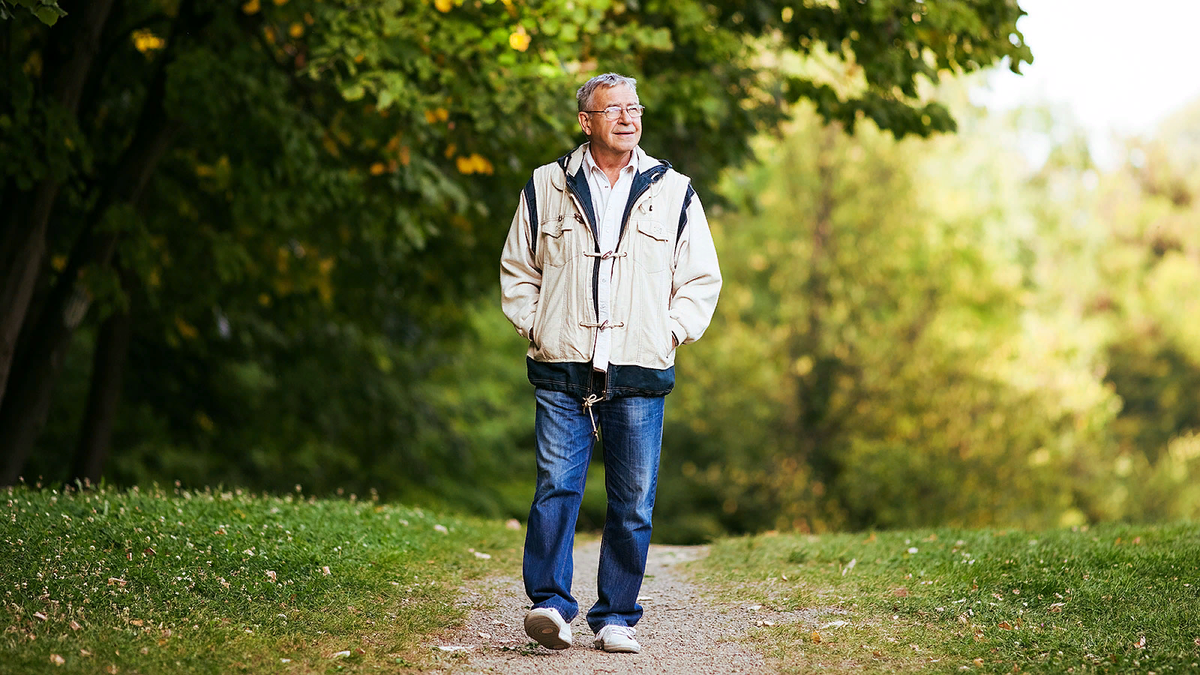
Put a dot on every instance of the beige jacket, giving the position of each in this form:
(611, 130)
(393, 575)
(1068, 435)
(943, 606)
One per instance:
(665, 279)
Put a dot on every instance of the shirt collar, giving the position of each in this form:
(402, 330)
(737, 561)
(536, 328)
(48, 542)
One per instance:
(634, 160)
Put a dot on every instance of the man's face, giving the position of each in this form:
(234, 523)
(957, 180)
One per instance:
(612, 136)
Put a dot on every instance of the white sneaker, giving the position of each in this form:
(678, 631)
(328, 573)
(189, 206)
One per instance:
(546, 625)
(614, 638)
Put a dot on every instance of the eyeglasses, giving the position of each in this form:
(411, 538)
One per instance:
(613, 112)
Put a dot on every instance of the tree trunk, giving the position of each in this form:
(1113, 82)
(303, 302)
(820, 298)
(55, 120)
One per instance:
(108, 368)
(24, 245)
(31, 384)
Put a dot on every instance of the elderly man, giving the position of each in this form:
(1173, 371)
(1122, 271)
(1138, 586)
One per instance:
(608, 267)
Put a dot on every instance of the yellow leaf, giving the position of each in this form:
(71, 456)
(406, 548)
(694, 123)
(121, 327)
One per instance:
(308, 18)
(465, 165)
(430, 116)
(442, 114)
(296, 30)
(519, 40)
(146, 41)
(816, 637)
(251, 7)
(59, 263)
(186, 330)
(377, 168)
(404, 155)
(450, 149)
(269, 32)
(358, 58)
(443, 5)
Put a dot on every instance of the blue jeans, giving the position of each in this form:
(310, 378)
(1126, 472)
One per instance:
(632, 430)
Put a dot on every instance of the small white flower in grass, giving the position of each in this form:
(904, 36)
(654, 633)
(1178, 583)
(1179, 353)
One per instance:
(441, 528)
(272, 576)
(285, 660)
(325, 570)
(912, 549)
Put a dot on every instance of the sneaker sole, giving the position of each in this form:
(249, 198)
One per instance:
(619, 650)
(543, 629)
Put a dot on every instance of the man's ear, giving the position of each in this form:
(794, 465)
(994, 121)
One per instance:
(585, 124)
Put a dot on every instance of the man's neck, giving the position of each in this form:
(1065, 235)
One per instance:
(611, 164)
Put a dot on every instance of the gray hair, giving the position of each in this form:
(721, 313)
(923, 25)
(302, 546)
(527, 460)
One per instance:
(584, 95)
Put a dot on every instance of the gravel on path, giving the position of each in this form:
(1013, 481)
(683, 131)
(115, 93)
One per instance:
(681, 631)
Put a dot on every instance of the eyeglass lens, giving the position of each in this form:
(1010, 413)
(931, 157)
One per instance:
(614, 112)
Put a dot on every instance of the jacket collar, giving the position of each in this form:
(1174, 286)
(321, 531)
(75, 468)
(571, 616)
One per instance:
(571, 162)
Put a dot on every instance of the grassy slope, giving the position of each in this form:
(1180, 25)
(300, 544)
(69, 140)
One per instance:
(219, 582)
(1108, 599)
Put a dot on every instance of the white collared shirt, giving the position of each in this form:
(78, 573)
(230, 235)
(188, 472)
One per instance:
(608, 202)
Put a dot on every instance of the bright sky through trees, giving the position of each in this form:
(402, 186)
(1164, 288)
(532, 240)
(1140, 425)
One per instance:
(1116, 66)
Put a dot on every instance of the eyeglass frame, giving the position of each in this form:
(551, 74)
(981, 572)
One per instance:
(641, 110)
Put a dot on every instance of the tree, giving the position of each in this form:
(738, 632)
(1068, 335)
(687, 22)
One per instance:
(183, 160)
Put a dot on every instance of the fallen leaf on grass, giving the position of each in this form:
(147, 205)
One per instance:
(112, 669)
(835, 624)
(768, 623)
(116, 580)
(137, 622)
(272, 576)
(85, 653)
(57, 660)
(325, 570)
(340, 655)
(39, 616)
(901, 592)
(457, 648)
(285, 660)
(1057, 607)
(74, 625)
(1005, 625)
(1141, 643)
(978, 662)
(816, 637)
(485, 636)
(482, 556)
(754, 608)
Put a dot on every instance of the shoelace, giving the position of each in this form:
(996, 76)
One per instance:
(624, 631)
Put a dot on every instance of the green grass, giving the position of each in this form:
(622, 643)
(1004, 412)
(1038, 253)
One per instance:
(1109, 599)
(219, 582)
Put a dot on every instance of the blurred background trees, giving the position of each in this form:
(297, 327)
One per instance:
(255, 244)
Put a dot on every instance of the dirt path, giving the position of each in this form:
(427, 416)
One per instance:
(680, 633)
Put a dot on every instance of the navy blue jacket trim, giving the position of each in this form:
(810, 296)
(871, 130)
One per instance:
(575, 379)
(531, 203)
(641, 183)
(687, 201)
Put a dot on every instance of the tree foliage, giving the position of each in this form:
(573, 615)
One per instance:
(278, 210)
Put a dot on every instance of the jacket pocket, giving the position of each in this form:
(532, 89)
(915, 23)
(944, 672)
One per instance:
(557, 241)
(653, 252)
